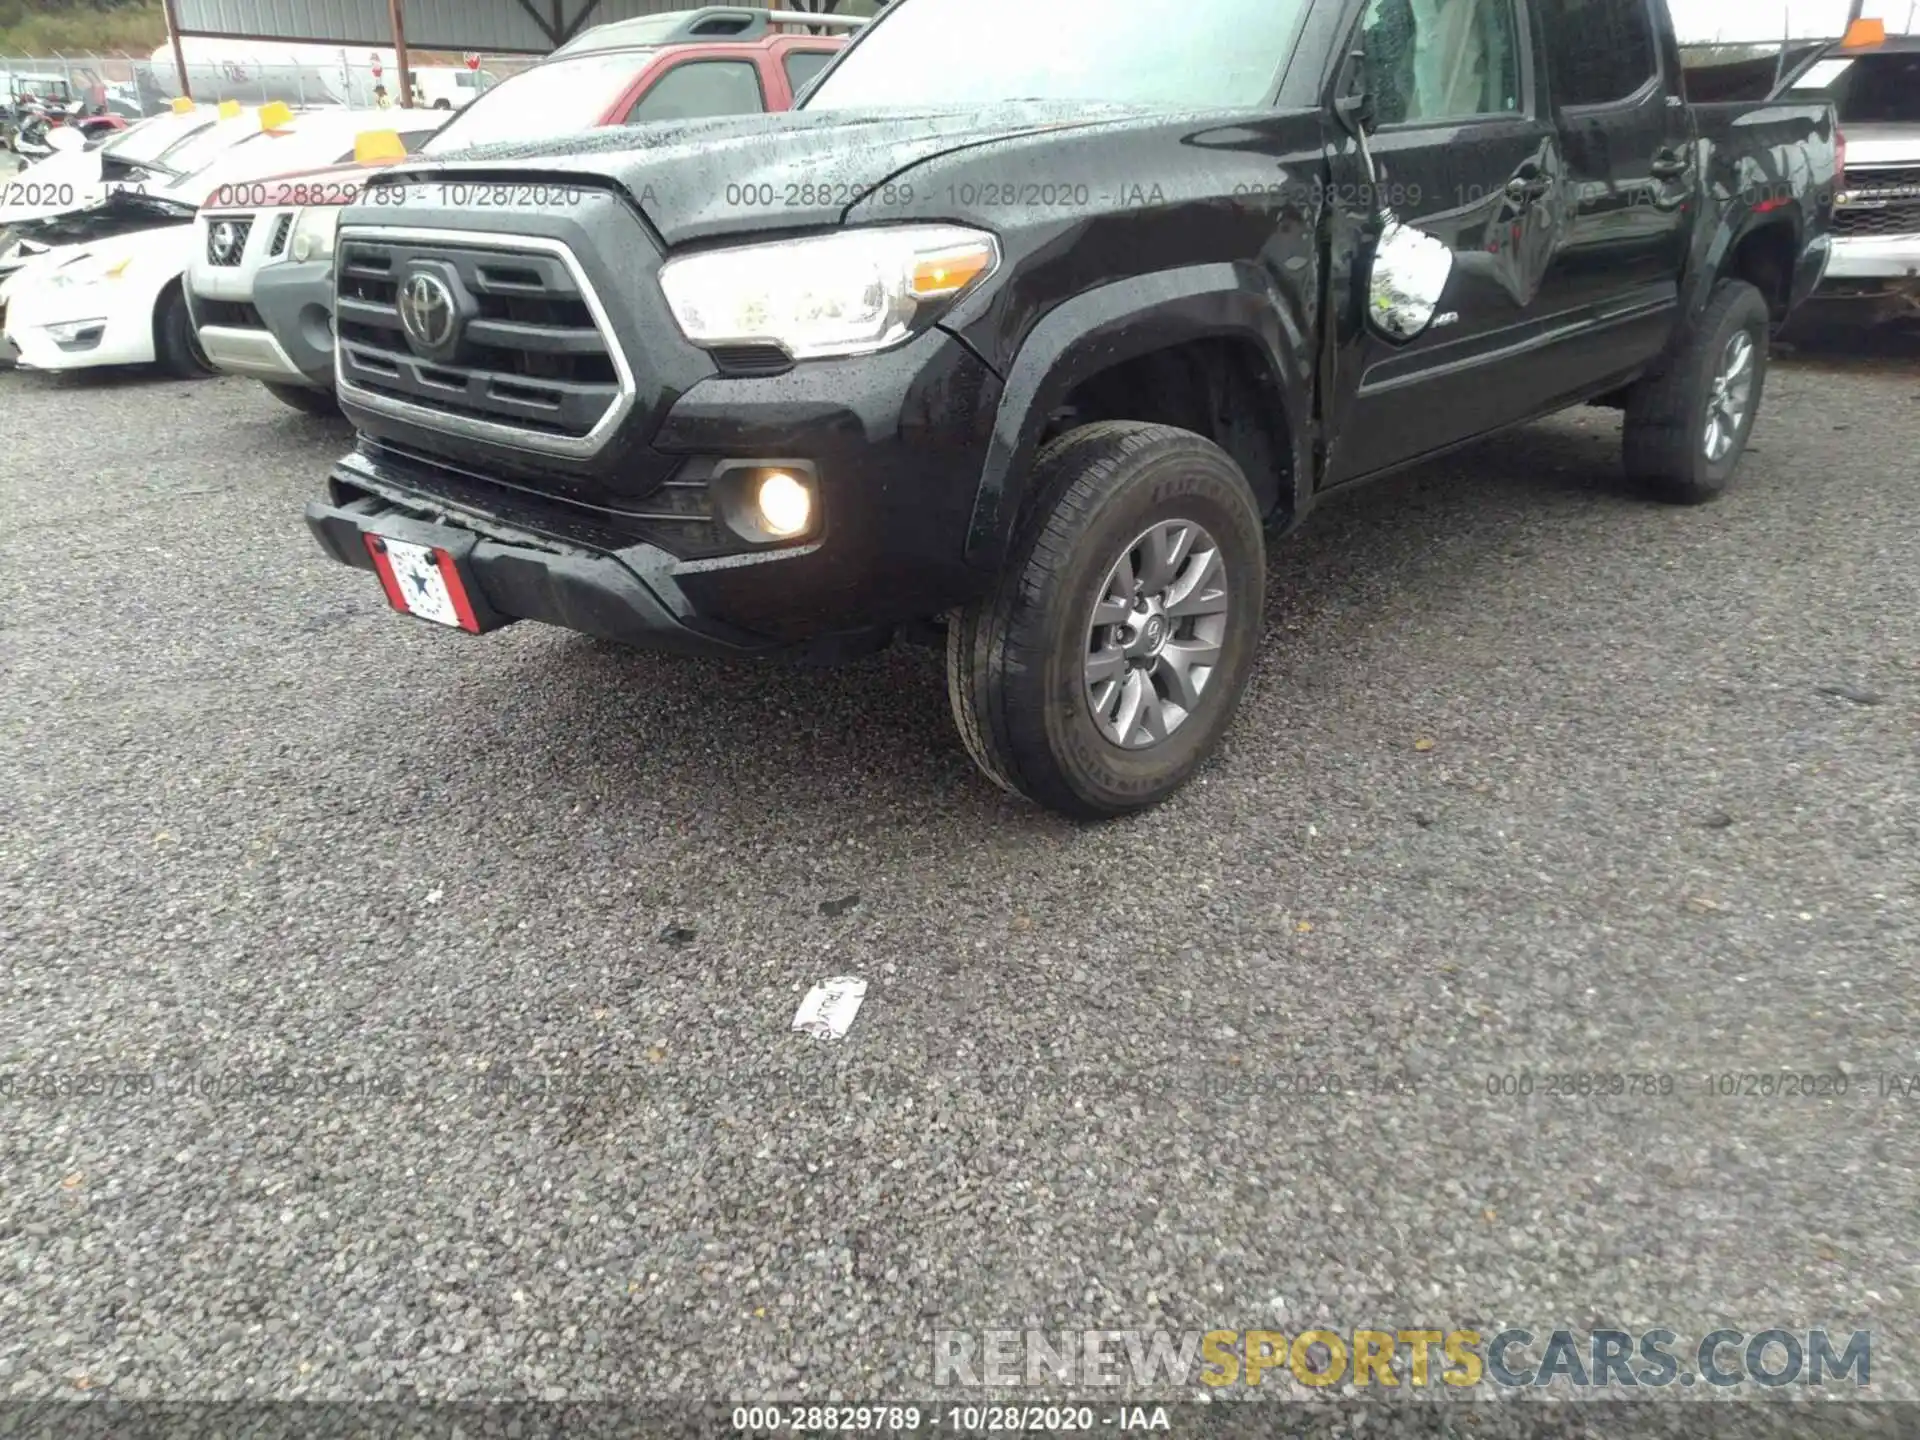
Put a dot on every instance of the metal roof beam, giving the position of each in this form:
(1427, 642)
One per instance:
(579, 21)
(550, 31)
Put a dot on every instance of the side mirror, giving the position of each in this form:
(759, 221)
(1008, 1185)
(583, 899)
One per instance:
(1357, 116)
(1410, 273)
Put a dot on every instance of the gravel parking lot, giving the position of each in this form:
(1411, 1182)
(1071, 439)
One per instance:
(1533, 777)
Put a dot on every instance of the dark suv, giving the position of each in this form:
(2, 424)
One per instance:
(1032, 338)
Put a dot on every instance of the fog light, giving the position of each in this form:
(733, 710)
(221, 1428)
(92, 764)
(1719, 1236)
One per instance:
(77, 332)
(785, 505)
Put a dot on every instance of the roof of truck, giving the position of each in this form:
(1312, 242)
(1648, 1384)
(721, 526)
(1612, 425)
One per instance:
(714, 24)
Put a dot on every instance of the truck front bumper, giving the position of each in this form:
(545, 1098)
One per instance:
(522, 576)
(1875, 264)
(890, 452)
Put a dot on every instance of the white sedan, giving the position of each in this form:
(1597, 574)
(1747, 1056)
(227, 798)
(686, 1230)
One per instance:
(111, 302)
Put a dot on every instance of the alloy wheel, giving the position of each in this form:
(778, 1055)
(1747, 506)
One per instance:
(1730, 397)
(1154, 638)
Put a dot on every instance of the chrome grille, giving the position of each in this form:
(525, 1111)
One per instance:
(533, 366)
(232, 254)
(282, 228)
(1880, 202)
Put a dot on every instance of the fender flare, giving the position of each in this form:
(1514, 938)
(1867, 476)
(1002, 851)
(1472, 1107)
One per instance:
(1729, 235)
(1122, 321)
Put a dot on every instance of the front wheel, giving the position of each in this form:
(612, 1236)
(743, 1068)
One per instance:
(323, 403)
(176, 348)
(1110, 656)
(1688, 426)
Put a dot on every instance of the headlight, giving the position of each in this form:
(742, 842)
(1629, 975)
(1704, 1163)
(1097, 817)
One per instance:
(846, 294)
(88, 270)
(313, 232)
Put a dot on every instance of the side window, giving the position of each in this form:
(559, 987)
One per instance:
(1598, 51)
(803, 65)
(1441, 59)
(695, 89)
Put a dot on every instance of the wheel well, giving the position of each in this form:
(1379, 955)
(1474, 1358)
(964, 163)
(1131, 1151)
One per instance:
(1765, 258)
(1223, 389)
(167, 292)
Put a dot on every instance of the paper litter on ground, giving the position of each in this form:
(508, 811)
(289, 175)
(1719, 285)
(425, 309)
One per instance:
(827, 1011)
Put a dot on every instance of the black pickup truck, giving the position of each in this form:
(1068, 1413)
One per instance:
(1028, 322)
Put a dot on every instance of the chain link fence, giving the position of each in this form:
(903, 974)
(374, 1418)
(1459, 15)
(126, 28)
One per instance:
(138, 85)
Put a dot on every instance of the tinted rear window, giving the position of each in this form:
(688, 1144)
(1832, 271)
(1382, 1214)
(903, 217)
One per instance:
(1867, 89)
(803, 65)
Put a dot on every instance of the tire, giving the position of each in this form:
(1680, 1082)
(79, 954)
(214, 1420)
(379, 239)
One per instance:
(176, 349)
(1018, 660)
(323, 403)
(1669, 415)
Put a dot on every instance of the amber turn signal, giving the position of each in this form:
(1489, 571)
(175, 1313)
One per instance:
(950, 271)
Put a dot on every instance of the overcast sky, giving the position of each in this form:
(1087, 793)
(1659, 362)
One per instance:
(1702, 20)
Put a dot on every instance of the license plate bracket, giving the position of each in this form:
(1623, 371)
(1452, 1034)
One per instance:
(427, 575)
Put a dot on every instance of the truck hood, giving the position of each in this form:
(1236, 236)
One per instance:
(696, 179)
(1883, 145)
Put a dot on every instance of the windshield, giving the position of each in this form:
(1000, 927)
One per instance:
(152, 139)
(204, 146)
(1868, 89)
(1224, 53)
(560, 97)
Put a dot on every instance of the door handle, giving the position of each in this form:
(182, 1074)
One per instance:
(1669, 165)
(1523, 190)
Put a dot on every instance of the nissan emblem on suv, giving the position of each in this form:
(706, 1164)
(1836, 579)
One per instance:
(427, 312)
(226, 243)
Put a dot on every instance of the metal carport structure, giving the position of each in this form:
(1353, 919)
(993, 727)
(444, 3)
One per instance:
(500, 27)
(504, 27)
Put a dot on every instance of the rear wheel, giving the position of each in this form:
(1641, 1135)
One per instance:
(323, 403)
(1688, 426)
(1110, 656)
(176, 348)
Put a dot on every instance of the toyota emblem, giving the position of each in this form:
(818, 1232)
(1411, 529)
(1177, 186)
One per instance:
(426, 312)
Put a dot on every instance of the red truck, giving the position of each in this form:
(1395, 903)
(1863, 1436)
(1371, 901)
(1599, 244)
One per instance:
(608, 76)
